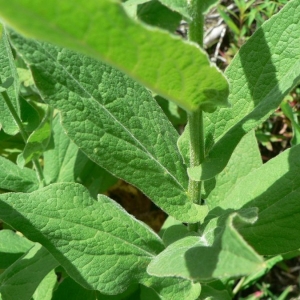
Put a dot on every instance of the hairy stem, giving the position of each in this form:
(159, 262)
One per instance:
(195, 119)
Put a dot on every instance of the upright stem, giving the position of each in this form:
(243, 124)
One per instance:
(23, 134)
(195, 119)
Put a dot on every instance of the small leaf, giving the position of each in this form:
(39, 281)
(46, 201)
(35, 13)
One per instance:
(99, 245)
(10, 85)
(36, 142)
(13, 178)
(35, 264)
(115, 122)
(229, 256)
(144, 53)
(259, 78)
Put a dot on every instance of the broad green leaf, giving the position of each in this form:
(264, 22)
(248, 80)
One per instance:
(146, 54)
(115, 122)
(45, 289)
(191, 258)
(69, 289)
(99, 245)
(10, 95)
(173, 288)
(13, 178)
(36, 143)
(34, 265)
(274, 189)
(63, 162)
(244, 159)
(259, 78)
(12, 247)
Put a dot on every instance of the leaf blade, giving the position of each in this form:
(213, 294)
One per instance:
(115, 122)
(129, 46)
(92, 240)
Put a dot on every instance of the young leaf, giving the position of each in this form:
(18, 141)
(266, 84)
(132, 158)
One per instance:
(35, 264)
(37, 142)
(115, 122)
(259, 78)
(146, 54)
(100, 245)
(192, 258)
(10, 94)
(45, 289)
(13, 178)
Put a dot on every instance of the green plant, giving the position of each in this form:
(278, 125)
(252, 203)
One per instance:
(241, 214)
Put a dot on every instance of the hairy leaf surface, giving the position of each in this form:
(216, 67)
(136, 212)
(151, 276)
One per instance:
(259, 78)
(98, 243)
(177, 70)
(192, 258)
(35, 264)
(14, 178)
(8, 71)
(115, 122)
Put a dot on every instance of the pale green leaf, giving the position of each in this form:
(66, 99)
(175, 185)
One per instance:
(115, 122)
(8, 71)
(12, 247)
(173, 288)
(36, 143)
(103, 30)
(45, 289)
(274, 190)
(13, 178)
(244, 159)
(259, 78)
(35, 264)
(191, 258)
(98, 243)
